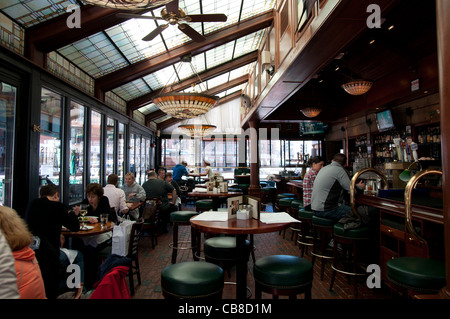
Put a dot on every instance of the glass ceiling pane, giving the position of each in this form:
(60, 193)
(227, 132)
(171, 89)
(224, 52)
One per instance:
(255, 7)
(161, 78)
(132, 90)
(32, 12)
(149, 108)
(220, 54)
(95, 55)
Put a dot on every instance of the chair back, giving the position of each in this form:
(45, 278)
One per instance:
(134, 237)
(151, 209)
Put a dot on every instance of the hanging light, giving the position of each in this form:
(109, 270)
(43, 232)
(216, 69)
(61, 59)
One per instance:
(197, 130)
(185, 105)
(311, 111)
(358, 87)
(127, 4)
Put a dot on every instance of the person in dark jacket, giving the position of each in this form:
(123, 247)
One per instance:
(45, 217)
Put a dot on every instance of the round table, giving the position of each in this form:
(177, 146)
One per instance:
(94, 231)
(241, 228)
(214, 196)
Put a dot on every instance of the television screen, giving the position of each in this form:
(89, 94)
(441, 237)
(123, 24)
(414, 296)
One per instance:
(312, 128)
(385, 121)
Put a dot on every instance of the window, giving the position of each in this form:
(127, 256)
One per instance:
(121, 153)
(95, 156)
(50, 137)
(8, 95)
(76, 153)
(110, 130)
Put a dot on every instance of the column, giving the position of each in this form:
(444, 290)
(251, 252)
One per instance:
(443, 34)
(255, 188)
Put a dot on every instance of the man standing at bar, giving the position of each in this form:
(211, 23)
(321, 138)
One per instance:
(328, 189)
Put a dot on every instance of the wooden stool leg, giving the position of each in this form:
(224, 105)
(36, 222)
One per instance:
(175, 243)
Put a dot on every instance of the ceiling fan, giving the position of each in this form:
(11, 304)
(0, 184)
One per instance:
(174, 15)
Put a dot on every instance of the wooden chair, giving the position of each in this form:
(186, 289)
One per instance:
(133, 253)
(150, 217)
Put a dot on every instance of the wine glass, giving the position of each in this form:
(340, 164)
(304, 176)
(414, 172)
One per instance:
(83, 212)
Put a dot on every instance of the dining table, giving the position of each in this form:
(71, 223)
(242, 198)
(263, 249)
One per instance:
(214, 196)
(219, 223)
(92, 229)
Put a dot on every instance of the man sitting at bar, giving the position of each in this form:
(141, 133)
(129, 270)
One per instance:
(179, 171)
(155, 187)
(116, 196)
(328, 189)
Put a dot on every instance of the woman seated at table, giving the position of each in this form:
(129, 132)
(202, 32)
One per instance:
(208, 171)
(98, 204)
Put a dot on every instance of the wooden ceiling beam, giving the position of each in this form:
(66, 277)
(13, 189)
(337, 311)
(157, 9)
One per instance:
(140, 69)
(216, 71)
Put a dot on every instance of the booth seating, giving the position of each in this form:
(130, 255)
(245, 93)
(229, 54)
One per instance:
(181, 218)
(192, 280)
(346, 260)
(203, 205)
(322, 234)
(305, 238)
(283, 275)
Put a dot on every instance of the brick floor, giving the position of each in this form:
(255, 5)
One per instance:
(153, 261)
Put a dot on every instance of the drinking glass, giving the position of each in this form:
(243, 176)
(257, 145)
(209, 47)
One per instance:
(83, 212)
(104, 219)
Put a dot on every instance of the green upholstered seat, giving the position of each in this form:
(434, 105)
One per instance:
(417, 273)
(303, 213)
(362, 232)
(222, 248)
(285, 201)
(192, 279)
(182, 215)
(269, 189)
(284, 195)
(324, 222)
(204, 203)
(297, 203)
(283, 271)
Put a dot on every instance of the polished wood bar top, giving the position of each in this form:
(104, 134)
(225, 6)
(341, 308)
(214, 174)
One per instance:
(431, 214)
(237, 226)
(94, 231)
(295, 183)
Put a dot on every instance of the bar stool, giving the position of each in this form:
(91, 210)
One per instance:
(269, 193)
(192, 280)
(346, 261)
(203, 205)
(282, 196)
(322, 234)
(181, 218)
(283, 275)
(296, 204)
(304, 239)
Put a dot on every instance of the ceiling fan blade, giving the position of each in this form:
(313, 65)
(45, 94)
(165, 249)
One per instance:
(155, 32)
(215, 17)
(190, 32)
(173, 7)
(136, 16)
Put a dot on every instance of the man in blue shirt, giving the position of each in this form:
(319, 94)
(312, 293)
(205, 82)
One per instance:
(179, 171)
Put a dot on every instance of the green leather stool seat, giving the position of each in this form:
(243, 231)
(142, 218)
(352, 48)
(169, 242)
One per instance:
(303, 213)
(285, 201)
(192, 279)
(234, 189)
(262, 184)
(284, 195)
(355, 233)
(204, 203)
(222, 248)
(416, 273)
(182, 216)
(269, 189)
(324, 222)
(283, 275)
(297, 203)
(241, 186)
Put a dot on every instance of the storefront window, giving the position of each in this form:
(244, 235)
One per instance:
(137, 158)
(131, 154)
(50, 137)
(76, 153)
(96, 122)
(8, 95)
(110, 127)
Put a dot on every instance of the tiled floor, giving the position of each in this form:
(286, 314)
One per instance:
(153, 261)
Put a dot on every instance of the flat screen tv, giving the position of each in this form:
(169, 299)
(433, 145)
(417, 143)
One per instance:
(385, 122)
(307, 128)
